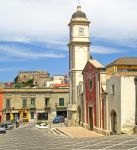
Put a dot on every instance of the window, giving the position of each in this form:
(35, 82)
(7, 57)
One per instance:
(46, 101)
(112, 89)
(7, 102)
(32, 101)
(24, 103)
(132, 70)
(90, 84)
(61, 101)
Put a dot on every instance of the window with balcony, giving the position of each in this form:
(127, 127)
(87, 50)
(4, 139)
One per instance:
(61, 101)
(32, 101)
(47, 102)
(7, 102)
(24, 103)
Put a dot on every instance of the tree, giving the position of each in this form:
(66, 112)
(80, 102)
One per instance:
(29, 82)
(16, 79)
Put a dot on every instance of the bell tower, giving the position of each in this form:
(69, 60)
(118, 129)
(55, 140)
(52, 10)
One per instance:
(79, 54)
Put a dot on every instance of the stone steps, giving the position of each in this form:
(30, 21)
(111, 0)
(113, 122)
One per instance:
(58, 132)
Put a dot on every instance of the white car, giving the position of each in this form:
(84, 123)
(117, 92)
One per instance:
(42, 126)
(2, 130)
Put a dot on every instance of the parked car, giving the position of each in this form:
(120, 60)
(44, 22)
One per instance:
(10, 125)
(58, 119)
(7, 125)
(2, 129)
(43, 126)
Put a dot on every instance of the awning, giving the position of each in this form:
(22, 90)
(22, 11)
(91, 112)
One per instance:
(40, 111)
(15, 111)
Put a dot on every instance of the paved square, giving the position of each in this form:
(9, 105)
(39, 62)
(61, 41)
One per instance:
(31, 138)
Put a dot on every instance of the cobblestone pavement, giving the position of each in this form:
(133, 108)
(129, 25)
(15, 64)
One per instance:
(31, 138)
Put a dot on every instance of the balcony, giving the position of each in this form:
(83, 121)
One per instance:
(32, 106)
(60, 106)
(8, 108)
(47, 107)
(24, 107)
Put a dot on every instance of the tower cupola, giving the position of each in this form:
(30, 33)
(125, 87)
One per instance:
(79, 13)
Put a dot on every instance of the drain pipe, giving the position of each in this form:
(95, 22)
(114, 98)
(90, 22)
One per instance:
(135, 128)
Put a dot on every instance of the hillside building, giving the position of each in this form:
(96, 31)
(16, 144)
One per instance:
(40, 78)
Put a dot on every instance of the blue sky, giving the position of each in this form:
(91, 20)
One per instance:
(34, 33)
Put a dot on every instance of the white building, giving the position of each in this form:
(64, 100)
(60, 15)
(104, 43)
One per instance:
(57, 79)
(122, 107)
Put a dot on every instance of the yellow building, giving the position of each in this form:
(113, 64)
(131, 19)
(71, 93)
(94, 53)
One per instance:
(31, 104)
(122, 65)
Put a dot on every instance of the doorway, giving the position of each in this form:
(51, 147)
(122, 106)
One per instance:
(16, 116)
(91, 118)
(7, 116)
(62, 113)
(113, 116)
(79, 114)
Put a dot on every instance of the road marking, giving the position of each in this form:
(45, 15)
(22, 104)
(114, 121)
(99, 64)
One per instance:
(97, 143)
(119, 143)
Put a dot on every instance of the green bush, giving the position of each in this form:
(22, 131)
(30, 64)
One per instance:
(46, 123)
(39, 122)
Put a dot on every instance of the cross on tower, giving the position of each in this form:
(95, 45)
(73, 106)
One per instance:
(78, 2)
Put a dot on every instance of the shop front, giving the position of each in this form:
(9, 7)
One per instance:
(14, 116)
(42, 115)
(24, 115)
(61, 112)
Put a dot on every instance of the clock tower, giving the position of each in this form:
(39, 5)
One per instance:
(79, 54)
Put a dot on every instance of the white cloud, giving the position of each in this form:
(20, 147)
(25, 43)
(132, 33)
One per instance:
(27, 54)
(104, 50)
(11, 69)
(46, 20)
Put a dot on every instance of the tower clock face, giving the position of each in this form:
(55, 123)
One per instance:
(81, 30)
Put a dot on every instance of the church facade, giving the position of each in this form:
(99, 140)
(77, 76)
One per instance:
(99, 96)
(94, 83)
